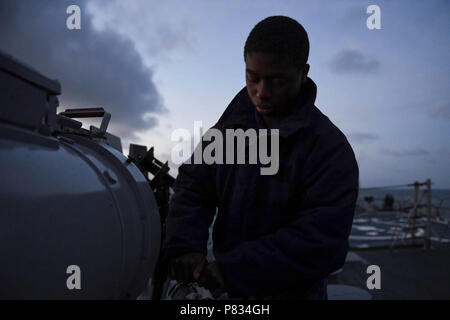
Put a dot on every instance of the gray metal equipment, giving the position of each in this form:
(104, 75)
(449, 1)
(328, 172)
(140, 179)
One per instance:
(68, 197)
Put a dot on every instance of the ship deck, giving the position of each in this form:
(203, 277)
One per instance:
(406, 273)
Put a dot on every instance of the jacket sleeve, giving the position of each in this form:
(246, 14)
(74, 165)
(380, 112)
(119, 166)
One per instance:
(191, 210)
(315, 242)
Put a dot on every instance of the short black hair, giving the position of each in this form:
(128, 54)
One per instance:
(282, 36)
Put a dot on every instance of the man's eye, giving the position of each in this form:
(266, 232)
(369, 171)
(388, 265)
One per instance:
(278, 81)
(252, 79)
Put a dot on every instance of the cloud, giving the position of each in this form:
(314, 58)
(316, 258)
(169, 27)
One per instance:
(95, 68)
(405, 152)
(362, 137)
(155, 27)
(354, 16)
(353, 62)
(441, 110)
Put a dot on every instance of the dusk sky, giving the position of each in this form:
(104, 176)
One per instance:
(161, 65)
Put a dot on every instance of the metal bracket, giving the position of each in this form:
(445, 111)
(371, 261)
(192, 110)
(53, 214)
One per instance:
(90, 113)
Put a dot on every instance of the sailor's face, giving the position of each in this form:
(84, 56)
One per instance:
(273, 82)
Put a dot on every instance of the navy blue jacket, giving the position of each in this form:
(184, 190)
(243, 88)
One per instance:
(273, 233)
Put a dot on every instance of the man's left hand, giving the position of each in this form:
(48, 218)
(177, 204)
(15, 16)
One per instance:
(211, 279)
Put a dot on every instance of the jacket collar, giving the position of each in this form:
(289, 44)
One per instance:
(241, 112)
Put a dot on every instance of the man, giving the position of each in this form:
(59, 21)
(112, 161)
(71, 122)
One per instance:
(275, 236)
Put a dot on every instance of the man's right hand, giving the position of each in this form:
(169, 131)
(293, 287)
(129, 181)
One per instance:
(187, 267)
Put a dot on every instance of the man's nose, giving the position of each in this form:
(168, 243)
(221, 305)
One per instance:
(264, 91)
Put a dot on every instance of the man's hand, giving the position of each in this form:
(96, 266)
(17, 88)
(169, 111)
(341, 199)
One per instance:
(211, 279)
(187, 267)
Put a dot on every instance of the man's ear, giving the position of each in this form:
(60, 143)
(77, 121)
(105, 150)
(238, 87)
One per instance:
(305, 73)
